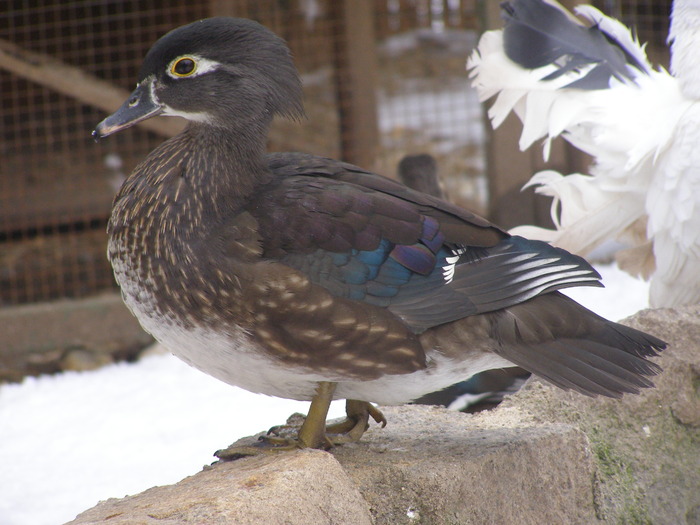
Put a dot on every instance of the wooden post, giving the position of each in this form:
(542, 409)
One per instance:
(508, 168)
(355, 58)
(74, 82)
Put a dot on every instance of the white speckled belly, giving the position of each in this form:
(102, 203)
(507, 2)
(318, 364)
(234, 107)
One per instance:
(233, 357)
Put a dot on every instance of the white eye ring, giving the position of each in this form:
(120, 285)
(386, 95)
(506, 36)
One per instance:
(202, 66)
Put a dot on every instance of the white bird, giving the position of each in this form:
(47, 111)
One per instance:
(594, 85)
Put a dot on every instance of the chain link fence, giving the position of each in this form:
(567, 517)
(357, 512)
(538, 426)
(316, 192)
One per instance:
(64, 65)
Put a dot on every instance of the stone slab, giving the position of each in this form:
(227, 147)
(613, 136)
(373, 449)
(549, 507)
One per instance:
(297, 488)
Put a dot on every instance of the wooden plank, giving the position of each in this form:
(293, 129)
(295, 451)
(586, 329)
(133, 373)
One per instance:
(56, 204)
(44, 338)
(75, 83)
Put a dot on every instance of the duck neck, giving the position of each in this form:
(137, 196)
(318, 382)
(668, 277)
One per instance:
(192, 181)
(227, 162)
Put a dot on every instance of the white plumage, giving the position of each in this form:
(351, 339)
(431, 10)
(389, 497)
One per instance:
(641, 125)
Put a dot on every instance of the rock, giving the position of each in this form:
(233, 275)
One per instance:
(430, 465)
(646, 447)
(433, 465)
(303, 487)
(543, 456)
(80, 360)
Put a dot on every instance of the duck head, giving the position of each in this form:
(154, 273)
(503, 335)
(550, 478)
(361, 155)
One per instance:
(227, 73)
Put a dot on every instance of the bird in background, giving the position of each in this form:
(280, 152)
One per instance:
(308, 278)
(591, 82)
(419, 172)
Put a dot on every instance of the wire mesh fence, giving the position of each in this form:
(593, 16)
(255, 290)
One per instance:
(64, 65)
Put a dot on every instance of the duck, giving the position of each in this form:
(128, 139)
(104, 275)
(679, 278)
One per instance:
(303, 277)
(419, 172)
(589, 80)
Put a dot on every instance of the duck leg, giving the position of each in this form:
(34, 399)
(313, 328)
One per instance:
(311, 433)
(349, 430)
(356, 423)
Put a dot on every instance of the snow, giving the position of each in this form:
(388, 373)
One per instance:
(70, 440)
(622, 296)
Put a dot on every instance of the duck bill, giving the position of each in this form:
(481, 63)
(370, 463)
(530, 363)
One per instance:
(140, 105)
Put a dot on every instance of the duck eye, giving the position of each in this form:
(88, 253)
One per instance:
(183, 67)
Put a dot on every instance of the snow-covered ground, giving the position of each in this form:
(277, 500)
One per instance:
(70, 440)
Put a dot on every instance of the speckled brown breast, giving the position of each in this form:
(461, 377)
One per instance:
(178, 261)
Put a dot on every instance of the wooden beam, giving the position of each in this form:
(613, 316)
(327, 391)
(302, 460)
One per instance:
(75, 83)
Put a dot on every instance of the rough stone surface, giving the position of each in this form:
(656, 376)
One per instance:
(543, 456)
(67, 335)
(431, 465)
(304, 487)
(646, 447)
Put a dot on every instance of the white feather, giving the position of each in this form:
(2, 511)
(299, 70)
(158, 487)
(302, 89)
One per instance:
(645, 140)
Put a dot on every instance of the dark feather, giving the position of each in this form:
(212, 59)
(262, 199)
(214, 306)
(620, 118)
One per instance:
(431, 264)
(399, 249)
(570, 346)
(488, 279)
(457, 224)
(537, 34)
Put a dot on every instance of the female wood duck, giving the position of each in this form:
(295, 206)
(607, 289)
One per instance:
(311, 279)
